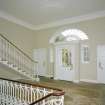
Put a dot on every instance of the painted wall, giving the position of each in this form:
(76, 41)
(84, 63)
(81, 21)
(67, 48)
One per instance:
(95, 29)
(27, 40)
(21, 37)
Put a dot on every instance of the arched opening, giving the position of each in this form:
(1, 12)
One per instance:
(67, 55)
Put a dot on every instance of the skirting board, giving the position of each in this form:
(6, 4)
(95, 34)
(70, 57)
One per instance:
(87, 80)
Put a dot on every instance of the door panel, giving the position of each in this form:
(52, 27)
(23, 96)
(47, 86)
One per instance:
(64, 61)
(40, 55)
(101, 63)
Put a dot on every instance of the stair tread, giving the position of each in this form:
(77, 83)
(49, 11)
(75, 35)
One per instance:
(16, 68)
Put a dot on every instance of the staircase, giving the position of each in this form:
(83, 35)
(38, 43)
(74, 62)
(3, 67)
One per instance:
(15, 59)
(21, 93)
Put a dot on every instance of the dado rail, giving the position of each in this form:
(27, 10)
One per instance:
(19, 93)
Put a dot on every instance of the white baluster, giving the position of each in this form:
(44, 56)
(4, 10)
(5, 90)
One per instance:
(37, 93)
(28, 94)
(31, 89)
(12, 93)
(34, 94)
(6, 51)
(20, 91)
(36, 71)
(2, 49)
(13, 51)
(10, 55)
(25, 94)
(44, 93)
(22, 60)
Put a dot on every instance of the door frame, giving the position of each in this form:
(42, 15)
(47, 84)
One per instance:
(45, 71)
(65, 43)
(98, 80)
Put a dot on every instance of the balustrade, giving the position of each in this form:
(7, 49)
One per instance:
(13, 57)
(18, 93)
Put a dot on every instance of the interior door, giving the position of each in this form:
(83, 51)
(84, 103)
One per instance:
(64, 62)
(40, 55)
(101, 63)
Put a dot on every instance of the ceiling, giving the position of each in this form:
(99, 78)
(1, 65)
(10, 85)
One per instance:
(40, 14)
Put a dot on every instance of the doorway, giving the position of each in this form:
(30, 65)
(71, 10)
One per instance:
(65, 62)
(101, 63)
(66, 43)
(40, 55)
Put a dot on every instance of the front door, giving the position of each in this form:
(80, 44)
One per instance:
(64, 62)
(101, 63)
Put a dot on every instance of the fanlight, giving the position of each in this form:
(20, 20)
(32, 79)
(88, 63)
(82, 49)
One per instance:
(74, 34)
(68, 35)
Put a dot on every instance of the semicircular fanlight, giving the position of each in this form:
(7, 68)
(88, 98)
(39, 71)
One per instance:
(74, 34)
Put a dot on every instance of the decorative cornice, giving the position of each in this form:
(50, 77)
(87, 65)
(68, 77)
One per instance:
(72, 20)
(81, 18)
(15, 20)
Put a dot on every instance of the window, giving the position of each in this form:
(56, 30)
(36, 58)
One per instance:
(67, 58)
(74, 34)
(85, 54)
(68, 35)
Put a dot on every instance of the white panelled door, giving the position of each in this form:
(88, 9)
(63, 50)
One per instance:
(64, 62)
(40, 55)
(101, 63)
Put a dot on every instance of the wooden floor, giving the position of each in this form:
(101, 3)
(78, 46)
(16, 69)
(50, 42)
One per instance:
(78, 94)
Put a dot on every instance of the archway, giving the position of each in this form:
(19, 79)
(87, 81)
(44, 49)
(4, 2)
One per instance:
(67, 47)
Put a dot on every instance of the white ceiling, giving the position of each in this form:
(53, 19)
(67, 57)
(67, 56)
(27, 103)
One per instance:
(38, 14)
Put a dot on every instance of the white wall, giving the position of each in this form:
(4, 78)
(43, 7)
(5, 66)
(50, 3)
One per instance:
(95, 29)
(27, 40)
(21, 37)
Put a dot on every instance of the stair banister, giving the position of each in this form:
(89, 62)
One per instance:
(23, 93)
(15, 58)
(17, 48)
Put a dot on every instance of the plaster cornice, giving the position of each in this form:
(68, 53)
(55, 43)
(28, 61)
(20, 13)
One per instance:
(81, 18)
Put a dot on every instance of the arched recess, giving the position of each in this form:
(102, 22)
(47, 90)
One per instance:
(65, 41)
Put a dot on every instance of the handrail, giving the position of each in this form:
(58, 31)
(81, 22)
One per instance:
(58, 92)
(36, 85)
(51, 94)
(41, 99)
(18, 48)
